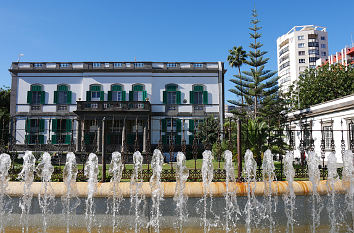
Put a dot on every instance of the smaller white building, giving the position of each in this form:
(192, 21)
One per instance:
(330, 125)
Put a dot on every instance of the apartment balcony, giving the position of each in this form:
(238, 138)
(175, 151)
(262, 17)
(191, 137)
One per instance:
(113, 106)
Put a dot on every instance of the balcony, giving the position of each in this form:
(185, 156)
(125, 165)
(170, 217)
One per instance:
(113, 106)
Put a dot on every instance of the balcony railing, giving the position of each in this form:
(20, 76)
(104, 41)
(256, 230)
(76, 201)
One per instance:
(114, 106)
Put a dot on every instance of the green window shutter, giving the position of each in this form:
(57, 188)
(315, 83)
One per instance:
(130, 139)
(68, 97)
(171, 88)
(144, 95)
(41, 125)
(178, 97)
(54, 139)
(116, 88)
(28, 125)
(87, 138)
(164, 97)
(123, 96)
(41, 139)
(131, 95)
(109, 95)
(54, 125)
(29, 97)
(138, 88)
(179, 125)
(68, 125)
(191, 95)
(205, 97)
(88, 95)
(55, 97)
(164, 125)
(191, 125)
(102, 95)
(164, 139)
(36, 88)
(178, 139)
(198, 88)
(191, 138)
(42, 97)
(67, 139)
(108, 139)
(26, 139)
(62, 88)
(95, 88)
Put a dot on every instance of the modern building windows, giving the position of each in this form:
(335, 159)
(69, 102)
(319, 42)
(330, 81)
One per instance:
(62, 95)
(323, 38)
(300, 38)
(284, 65)
(313, 59)
(301, 53)
(198, 95)
(323, 46)
(138, 93)
(95, 93)
(313, 44)
(323, 53)
(284, 50)
(301, 45)
(36, 95)
(171, 95)
(116, 93)
(314, 51)
(301, 60)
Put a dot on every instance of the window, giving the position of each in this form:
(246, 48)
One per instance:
(314, 51)
(323, 53)
(284, 65)
(300, 37)
(139, 64)
(351, 134)
(301, 53)
(62, 95)
(118, 64)
(323, 46)
(37, 65)
(138, 93)
(312, 67)
(34, 126)
(96, 65)
(301, 45)
(313, 44)
(198, 95)
(171, 96)
(62, 129)
(198, 65)
(116, 96)
(171, 65)
(35, 96)
(323, 38)
(313, 59)
(284, 50)
(327, 136)
(283, 58)
(301, 60)
(95, 93)
(116, 93)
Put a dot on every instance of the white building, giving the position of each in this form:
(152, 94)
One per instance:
(298, 50)
(95, 104)
(344, 57)
(330, 120)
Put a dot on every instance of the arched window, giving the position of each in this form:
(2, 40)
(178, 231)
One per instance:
(116, 93)
(62, 95)
(138, 93)
(171, 95)
(199, 95)
(95, 93)
(36, 95)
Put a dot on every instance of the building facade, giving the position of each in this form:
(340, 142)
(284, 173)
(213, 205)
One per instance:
(344, 57)
(112, 106)
(298, 50)
(325, 128)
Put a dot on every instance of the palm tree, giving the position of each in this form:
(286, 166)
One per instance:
(236, 59)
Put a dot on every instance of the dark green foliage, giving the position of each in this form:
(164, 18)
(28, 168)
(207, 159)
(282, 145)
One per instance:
(319, 85)
(208, 130)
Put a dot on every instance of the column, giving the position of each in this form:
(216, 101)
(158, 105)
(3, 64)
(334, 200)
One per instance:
(103, 152)
(123, 136)
(144, 138)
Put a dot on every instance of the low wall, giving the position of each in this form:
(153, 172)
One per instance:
(193, 189)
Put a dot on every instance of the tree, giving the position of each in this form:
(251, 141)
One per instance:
(236, 59)
(260, 83)
(4, 115)
(208, 130)
(319, 85)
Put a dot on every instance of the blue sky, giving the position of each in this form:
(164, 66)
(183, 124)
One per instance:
(157, 30)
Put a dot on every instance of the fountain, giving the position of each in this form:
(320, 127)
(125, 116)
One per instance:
(232, 210)
(180, 198)
(70, 200)
(268, 178)
(156, 189)
(136, 196)
(332, 179)
(289, 196)
(313, 162)
(5, 164)
(116, 169)
(46, 196)
(91, 172)
(348, 184)
(26, 176)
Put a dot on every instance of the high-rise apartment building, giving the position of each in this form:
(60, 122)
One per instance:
(298, 50)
